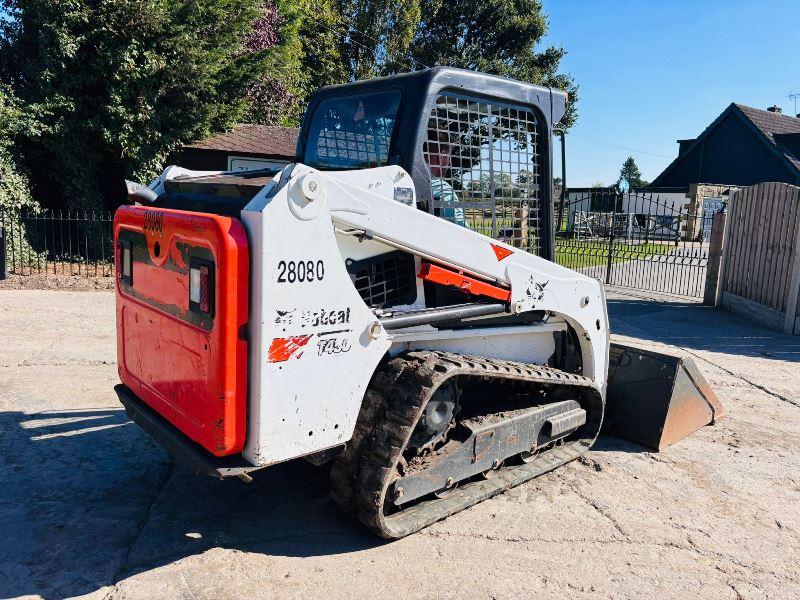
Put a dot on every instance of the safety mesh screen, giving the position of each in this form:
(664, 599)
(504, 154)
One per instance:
(385, 280)
(484, 165)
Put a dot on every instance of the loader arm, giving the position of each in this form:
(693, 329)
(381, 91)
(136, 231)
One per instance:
(362, 203)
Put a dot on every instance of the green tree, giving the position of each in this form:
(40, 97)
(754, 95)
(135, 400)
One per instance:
(14, 187)
(274, 98)
(302, 39)
(630, 171)
(119, 84)
(322, 34)
(306, 41)
(493, 36)
(378, 37)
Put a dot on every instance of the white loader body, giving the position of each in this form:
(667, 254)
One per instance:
(315, 344)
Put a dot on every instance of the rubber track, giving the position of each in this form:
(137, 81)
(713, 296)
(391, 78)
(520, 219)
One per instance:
(394, 401)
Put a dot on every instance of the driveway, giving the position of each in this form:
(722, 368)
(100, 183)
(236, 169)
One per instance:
(90, 506)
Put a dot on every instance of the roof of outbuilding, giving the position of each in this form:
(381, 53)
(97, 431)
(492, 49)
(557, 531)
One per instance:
(248, 138)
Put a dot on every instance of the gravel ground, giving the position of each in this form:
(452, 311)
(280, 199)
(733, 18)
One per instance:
(90, 506)
(73, 283)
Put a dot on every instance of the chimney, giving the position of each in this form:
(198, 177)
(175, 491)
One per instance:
(775, 109)
(683, 146)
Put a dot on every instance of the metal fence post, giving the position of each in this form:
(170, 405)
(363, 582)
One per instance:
(3, 271)
(715, 269)
(611, 235)
(520, 235)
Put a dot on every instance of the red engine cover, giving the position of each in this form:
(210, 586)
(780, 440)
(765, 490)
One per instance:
(188, 365)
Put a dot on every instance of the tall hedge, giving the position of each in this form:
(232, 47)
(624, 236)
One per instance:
(14, 185)
(119, 84)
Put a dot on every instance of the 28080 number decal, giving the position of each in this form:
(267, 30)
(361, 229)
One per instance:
(300, 271)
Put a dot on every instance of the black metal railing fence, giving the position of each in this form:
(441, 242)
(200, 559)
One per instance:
(635, 239)
(57, 242)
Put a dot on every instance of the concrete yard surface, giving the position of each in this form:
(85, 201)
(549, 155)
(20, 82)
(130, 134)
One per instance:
(89, 505)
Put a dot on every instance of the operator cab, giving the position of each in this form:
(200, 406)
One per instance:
(478, 147)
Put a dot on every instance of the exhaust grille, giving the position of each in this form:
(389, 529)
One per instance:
(385, 280)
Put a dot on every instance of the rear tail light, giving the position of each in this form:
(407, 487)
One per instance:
(201, 286)
(126, 262)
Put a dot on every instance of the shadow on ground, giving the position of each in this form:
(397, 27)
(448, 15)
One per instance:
(612, 443)
(96, 501)
(697, 327)
(88, 500)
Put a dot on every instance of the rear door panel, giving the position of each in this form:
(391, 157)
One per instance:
(188, 365)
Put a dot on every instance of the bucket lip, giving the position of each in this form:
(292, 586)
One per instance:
(671, 351)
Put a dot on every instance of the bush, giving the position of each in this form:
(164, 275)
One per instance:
(14, 188)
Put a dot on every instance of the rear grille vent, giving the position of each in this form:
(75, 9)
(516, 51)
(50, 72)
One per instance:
(385, 280)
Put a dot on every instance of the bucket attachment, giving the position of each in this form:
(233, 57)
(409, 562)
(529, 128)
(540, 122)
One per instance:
(656, 399)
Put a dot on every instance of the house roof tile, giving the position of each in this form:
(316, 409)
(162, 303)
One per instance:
(248, 138)
(773, 126)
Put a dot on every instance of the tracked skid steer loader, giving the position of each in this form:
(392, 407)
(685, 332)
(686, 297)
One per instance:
(389, 302)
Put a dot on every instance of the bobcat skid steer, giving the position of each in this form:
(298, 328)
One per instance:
(389, 302)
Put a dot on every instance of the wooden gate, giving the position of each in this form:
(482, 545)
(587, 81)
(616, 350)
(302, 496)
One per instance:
(761, 264)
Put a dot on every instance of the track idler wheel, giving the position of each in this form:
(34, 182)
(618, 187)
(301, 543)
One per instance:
(448, 489)
(437, 418)
(490, 473)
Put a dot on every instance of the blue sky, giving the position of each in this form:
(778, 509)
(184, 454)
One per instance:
(654, 72)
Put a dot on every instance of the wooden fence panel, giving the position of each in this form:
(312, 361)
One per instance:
(769, 264)
(732, 241)
(744, 239)
(759, 244)
(762, 247)
(793, 286)
(781, 251)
